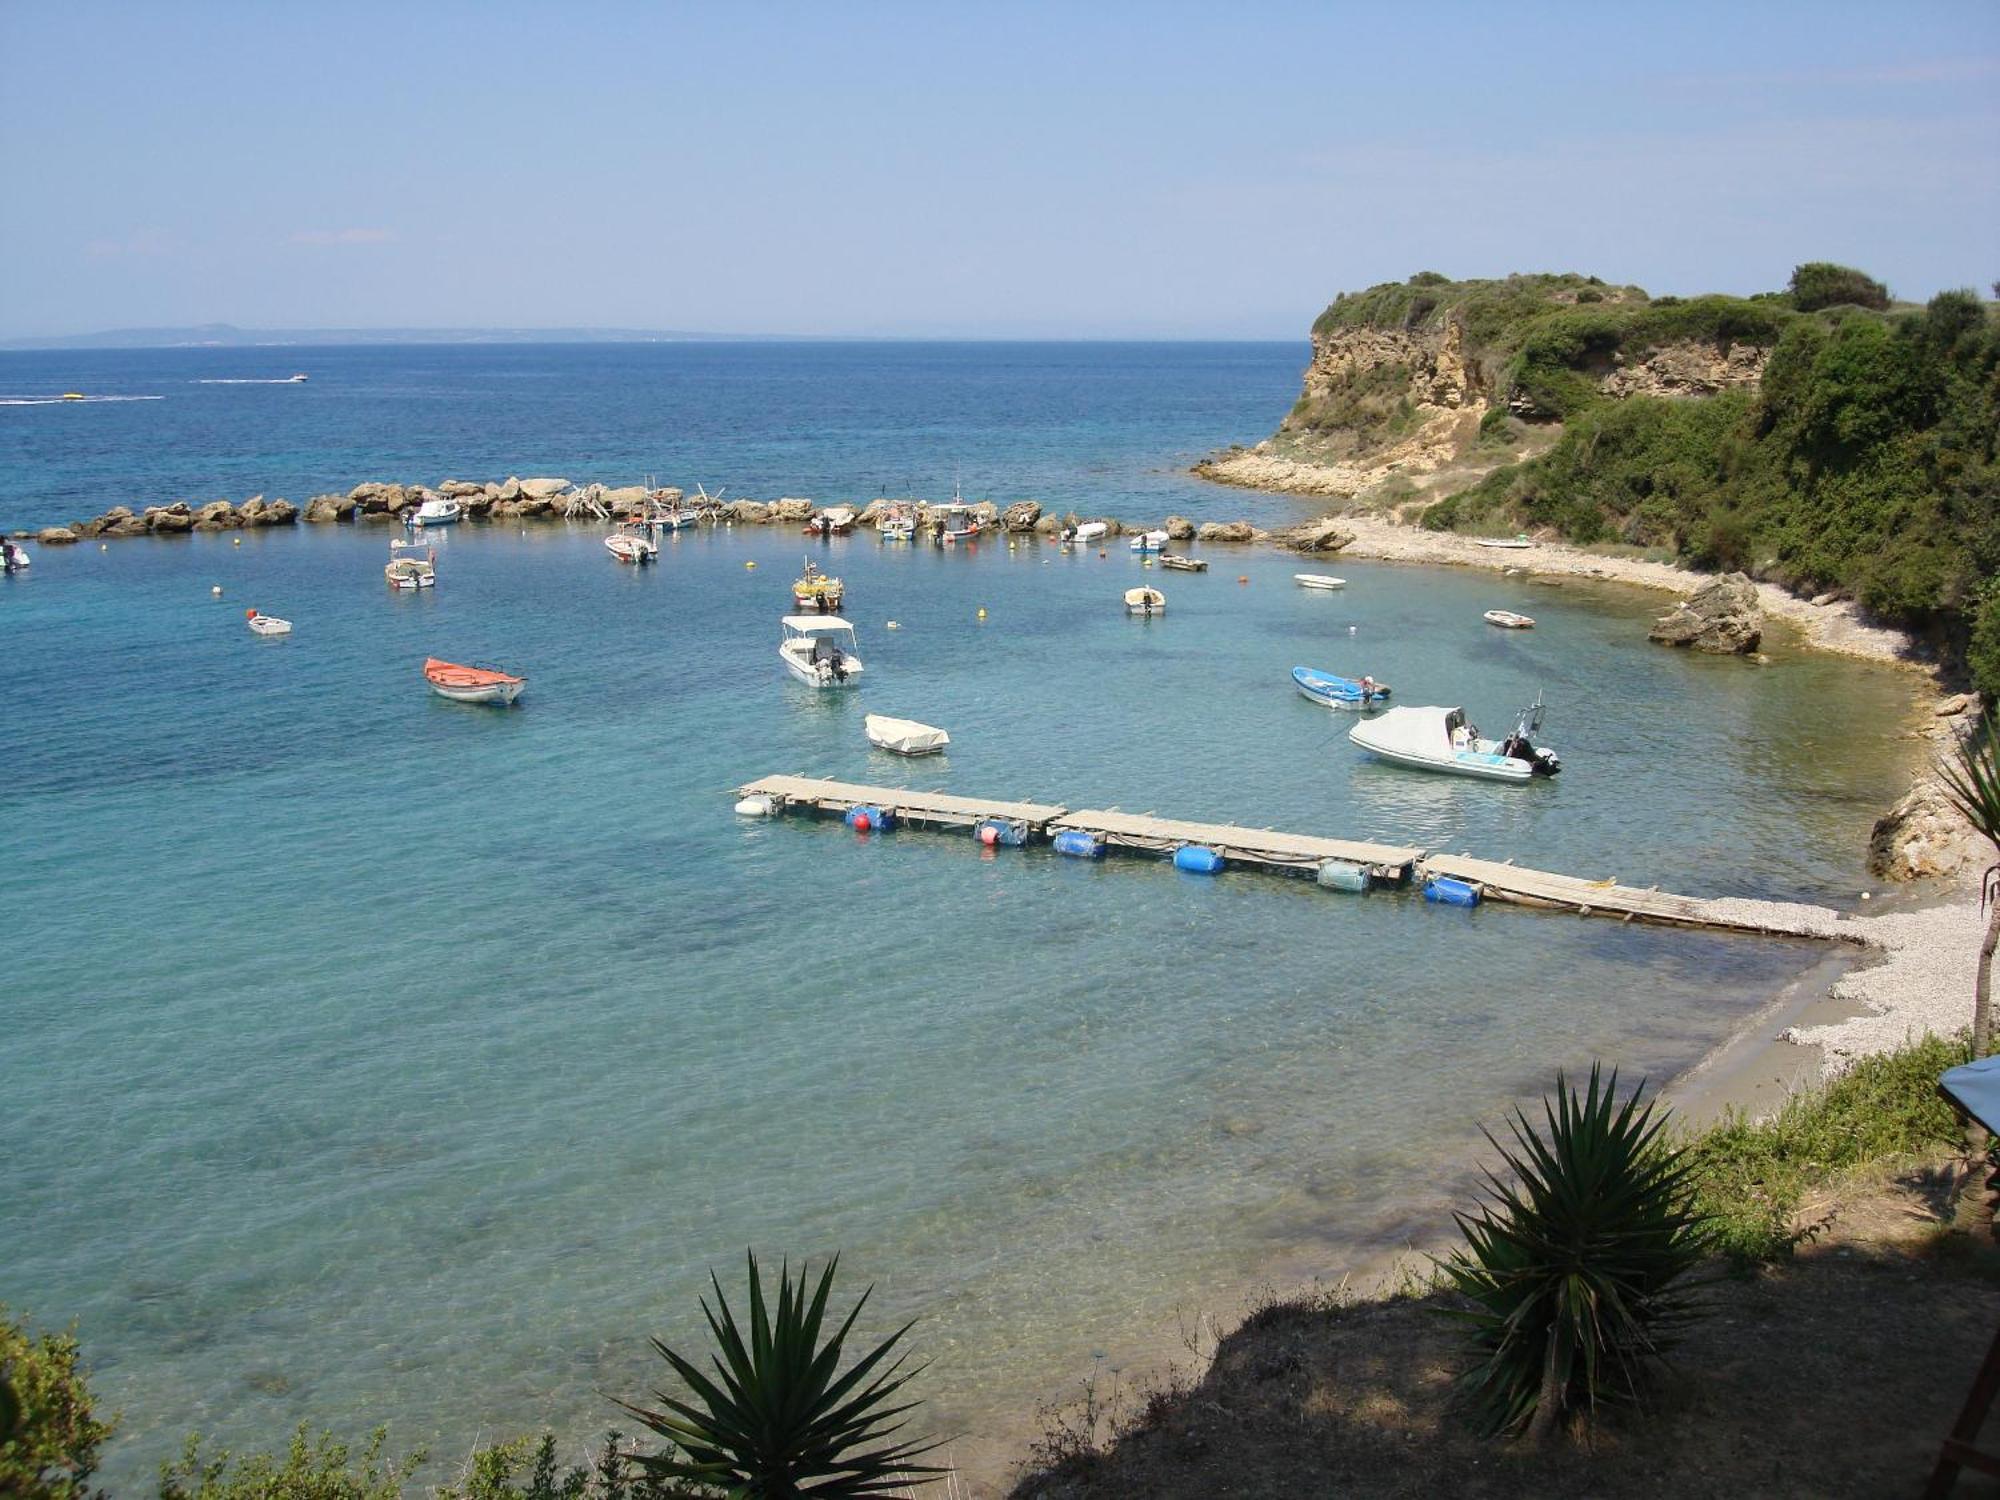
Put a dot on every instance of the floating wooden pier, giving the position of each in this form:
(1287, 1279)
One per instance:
(1389, 863)
(1270, 849)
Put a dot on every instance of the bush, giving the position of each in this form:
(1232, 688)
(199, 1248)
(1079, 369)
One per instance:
(311, 1469)
(1821, 283)
(49, 1429)
(1575, 1269)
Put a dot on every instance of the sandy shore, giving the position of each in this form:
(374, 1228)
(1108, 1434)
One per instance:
(1838, 627)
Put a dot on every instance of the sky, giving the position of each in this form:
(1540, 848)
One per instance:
(1000, 170)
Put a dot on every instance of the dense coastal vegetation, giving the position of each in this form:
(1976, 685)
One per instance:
(1821, 437)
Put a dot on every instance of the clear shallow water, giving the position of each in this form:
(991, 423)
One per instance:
(370, 1057)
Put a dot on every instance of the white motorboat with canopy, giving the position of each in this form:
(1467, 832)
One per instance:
(1441, 739)
(819, 650)
(904, 736)
(437, 511)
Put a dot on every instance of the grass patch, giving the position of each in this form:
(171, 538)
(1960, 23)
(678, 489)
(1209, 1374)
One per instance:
(1751, 1178)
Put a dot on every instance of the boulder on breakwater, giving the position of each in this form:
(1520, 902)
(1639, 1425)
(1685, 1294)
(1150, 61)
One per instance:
(1720, 617)
(1324, 535)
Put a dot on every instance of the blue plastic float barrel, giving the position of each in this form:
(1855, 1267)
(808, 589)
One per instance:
(1339, 875)
(868, 817)
(1448, 892)
(1079, 844)
(1197, 859)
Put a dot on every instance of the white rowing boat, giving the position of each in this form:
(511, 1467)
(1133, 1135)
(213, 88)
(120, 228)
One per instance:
(1322, 581)
(904, 736)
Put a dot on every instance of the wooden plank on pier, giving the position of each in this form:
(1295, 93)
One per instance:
(1246, 845)
(1607, 898)
(907, 803)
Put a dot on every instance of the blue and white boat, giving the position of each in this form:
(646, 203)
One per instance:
(1325, 688)
(1149, 541)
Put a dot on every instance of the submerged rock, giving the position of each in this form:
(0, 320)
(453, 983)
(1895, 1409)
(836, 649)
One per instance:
(1721, 617)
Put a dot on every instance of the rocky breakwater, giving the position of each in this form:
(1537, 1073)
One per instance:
(1722, 616)
(177, 519)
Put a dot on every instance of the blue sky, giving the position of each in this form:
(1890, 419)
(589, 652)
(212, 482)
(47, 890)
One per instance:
(993, 170)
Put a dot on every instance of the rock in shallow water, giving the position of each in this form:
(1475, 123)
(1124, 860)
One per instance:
(1721, 617)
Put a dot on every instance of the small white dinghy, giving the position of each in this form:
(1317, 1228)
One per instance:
(1508, 544)
(1146, 602)
(904, 736)
(1323, 581)
(13, 556)
(1090, 531)
(1506, 619)
(1149, 541)
(267, 624)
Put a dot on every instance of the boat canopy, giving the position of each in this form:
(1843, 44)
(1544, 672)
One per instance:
(1415, 731)
(813, 625)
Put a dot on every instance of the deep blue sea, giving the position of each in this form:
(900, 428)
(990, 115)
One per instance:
(372, 1058)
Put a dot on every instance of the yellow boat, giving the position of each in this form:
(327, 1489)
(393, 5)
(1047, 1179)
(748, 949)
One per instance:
(815, 591)
(72, 395)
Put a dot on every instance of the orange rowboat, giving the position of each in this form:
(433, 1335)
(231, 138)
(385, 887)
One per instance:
(471, 684)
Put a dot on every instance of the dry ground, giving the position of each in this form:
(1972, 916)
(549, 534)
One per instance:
(1834, 1375)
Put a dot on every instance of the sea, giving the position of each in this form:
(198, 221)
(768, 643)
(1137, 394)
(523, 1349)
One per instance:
(369, 1058)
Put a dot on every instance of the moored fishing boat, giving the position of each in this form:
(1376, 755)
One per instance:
(267, 625)
(1324, 582)
(819, 650)
(904, 736)
(1145, 601)
(1184, 564)
(954, 522)
(896, 524)
(1362, 695)
(439, 510)
(1506, 619)
(835, 520)
(472, 684)
(1149, 541)
(817, 591)
(1440, 739)
(633, 543)
(407, 572)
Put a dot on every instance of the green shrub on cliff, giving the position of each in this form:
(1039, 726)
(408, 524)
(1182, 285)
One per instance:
(49, 1429)
(1866, 462)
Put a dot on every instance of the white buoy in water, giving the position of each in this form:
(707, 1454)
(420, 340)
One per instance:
(759, 806)
(1351, 630)
(893, 625)
(217, 591)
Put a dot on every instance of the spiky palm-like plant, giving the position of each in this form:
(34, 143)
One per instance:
(778, 1420)
(1575, 1266)
(1971, 781)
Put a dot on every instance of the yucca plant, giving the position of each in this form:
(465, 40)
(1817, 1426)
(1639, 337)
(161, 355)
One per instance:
(1971, 781)
(1574, 1268)
(779, 1420)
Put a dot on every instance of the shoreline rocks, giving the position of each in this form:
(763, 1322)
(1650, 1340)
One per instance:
(1722, 617)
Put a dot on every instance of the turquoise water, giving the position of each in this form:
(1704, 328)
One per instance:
(372, 1058)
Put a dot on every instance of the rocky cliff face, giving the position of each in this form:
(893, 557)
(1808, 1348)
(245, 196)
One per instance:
(1404, 377)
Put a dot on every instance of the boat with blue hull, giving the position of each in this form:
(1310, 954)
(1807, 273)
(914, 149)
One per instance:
(1333, 691)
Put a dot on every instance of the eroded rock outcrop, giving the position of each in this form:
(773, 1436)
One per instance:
(1689, 369)
(1327, 534)
(1228, 531)
(1722, 616)
(1021, 516)
(1921, 836)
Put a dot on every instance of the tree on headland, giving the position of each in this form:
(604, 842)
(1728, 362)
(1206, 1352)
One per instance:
(1821, 283)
